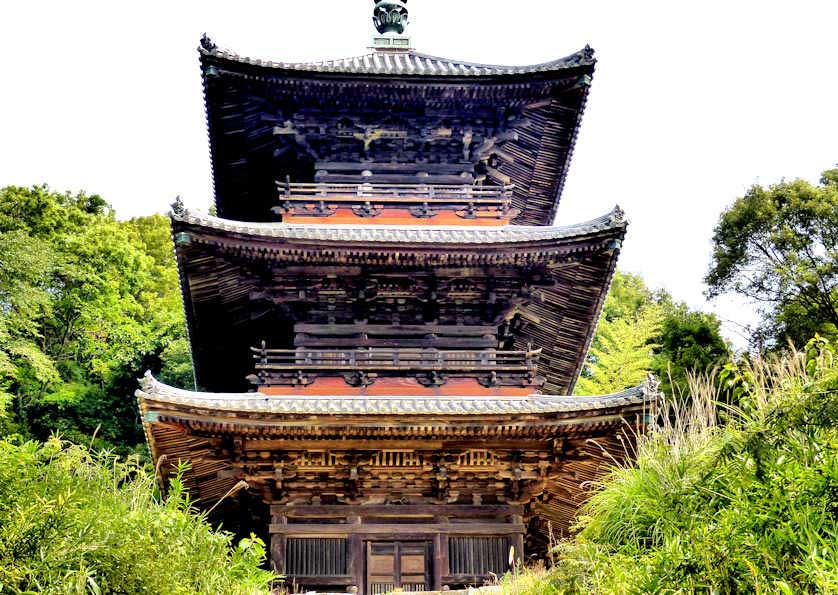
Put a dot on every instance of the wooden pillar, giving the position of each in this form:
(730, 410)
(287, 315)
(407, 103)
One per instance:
(357, 557)
(278, 545)
(518, 539)
(278, 553)
(440, 559)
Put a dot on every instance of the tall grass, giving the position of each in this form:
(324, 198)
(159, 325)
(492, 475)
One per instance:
(720, 498)
(76, 522)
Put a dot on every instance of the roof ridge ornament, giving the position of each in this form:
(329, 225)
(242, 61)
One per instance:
(178, 208)
(617, 215)
(652, 386)
(390, 18)
(148, 383)
(207, 43)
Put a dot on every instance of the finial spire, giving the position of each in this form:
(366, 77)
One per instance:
(390, 18)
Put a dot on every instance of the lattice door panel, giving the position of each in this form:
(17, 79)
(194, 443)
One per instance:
(397, 565)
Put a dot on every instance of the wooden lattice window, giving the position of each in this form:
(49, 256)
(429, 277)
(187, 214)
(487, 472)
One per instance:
(478, 556)
(316, 556)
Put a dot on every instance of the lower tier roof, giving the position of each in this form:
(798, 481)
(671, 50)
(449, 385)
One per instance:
(548, 448)
(157, 398)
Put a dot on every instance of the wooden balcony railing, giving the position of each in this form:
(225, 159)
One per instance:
(369, 200)
(360, 366)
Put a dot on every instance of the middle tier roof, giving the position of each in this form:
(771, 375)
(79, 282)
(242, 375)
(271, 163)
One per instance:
(538, 287)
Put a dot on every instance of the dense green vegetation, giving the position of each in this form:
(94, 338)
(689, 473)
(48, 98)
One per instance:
(76, 522)
(744, 503)
(86, 303)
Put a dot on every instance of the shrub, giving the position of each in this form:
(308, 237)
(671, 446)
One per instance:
(72, 521)
(747, 505)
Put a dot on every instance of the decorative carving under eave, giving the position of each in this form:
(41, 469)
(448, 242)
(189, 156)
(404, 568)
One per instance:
(442, 482)
(432, 378)
(359, 378)
(366, 210)
(353, 479)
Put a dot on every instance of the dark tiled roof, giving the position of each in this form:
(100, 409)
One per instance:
(407, 62)
(247, 98)
(224, 264)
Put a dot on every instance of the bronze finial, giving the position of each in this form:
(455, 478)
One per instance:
(390, 16)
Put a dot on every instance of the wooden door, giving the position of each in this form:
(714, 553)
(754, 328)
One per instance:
(398, 565)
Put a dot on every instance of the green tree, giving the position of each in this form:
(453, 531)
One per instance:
(643, 331)
(690, 341)
(86, 303)
(778, 246)
(623, 352)
(24, 302)
(75, 521)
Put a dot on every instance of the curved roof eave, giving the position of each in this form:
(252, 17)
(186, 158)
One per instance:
(614, 220)
(401, 63)
(153, 391)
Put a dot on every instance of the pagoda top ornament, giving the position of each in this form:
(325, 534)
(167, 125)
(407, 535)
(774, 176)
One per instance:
(390, 18)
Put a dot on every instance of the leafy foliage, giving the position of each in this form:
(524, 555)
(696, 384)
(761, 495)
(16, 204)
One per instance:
(690, 342)
(86, 302)
(623, 351)
(641, 331)
(750, 505)
(778, 246)
(76, 522)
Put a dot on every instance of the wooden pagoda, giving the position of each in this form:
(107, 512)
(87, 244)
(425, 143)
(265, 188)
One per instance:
(384, 322)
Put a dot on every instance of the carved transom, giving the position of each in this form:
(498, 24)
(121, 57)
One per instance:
(396, 458)
(477, 458)
(318, 459)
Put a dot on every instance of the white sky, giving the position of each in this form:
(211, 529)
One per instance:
(692, 102)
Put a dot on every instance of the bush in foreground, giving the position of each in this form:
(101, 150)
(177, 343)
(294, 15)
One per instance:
(749, 505)
(76, 522)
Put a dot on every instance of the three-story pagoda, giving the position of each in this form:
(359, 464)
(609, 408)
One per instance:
(385, 324)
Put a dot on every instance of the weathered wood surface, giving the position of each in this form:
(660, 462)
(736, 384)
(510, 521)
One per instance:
(239, 291)
(355, 128)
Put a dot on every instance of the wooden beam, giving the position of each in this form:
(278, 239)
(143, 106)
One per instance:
(373, 444)
(296, 445)
(278, 553)
(447, 330)
(440, 559)
(322, 580)
(396, 529)
(401, 510)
